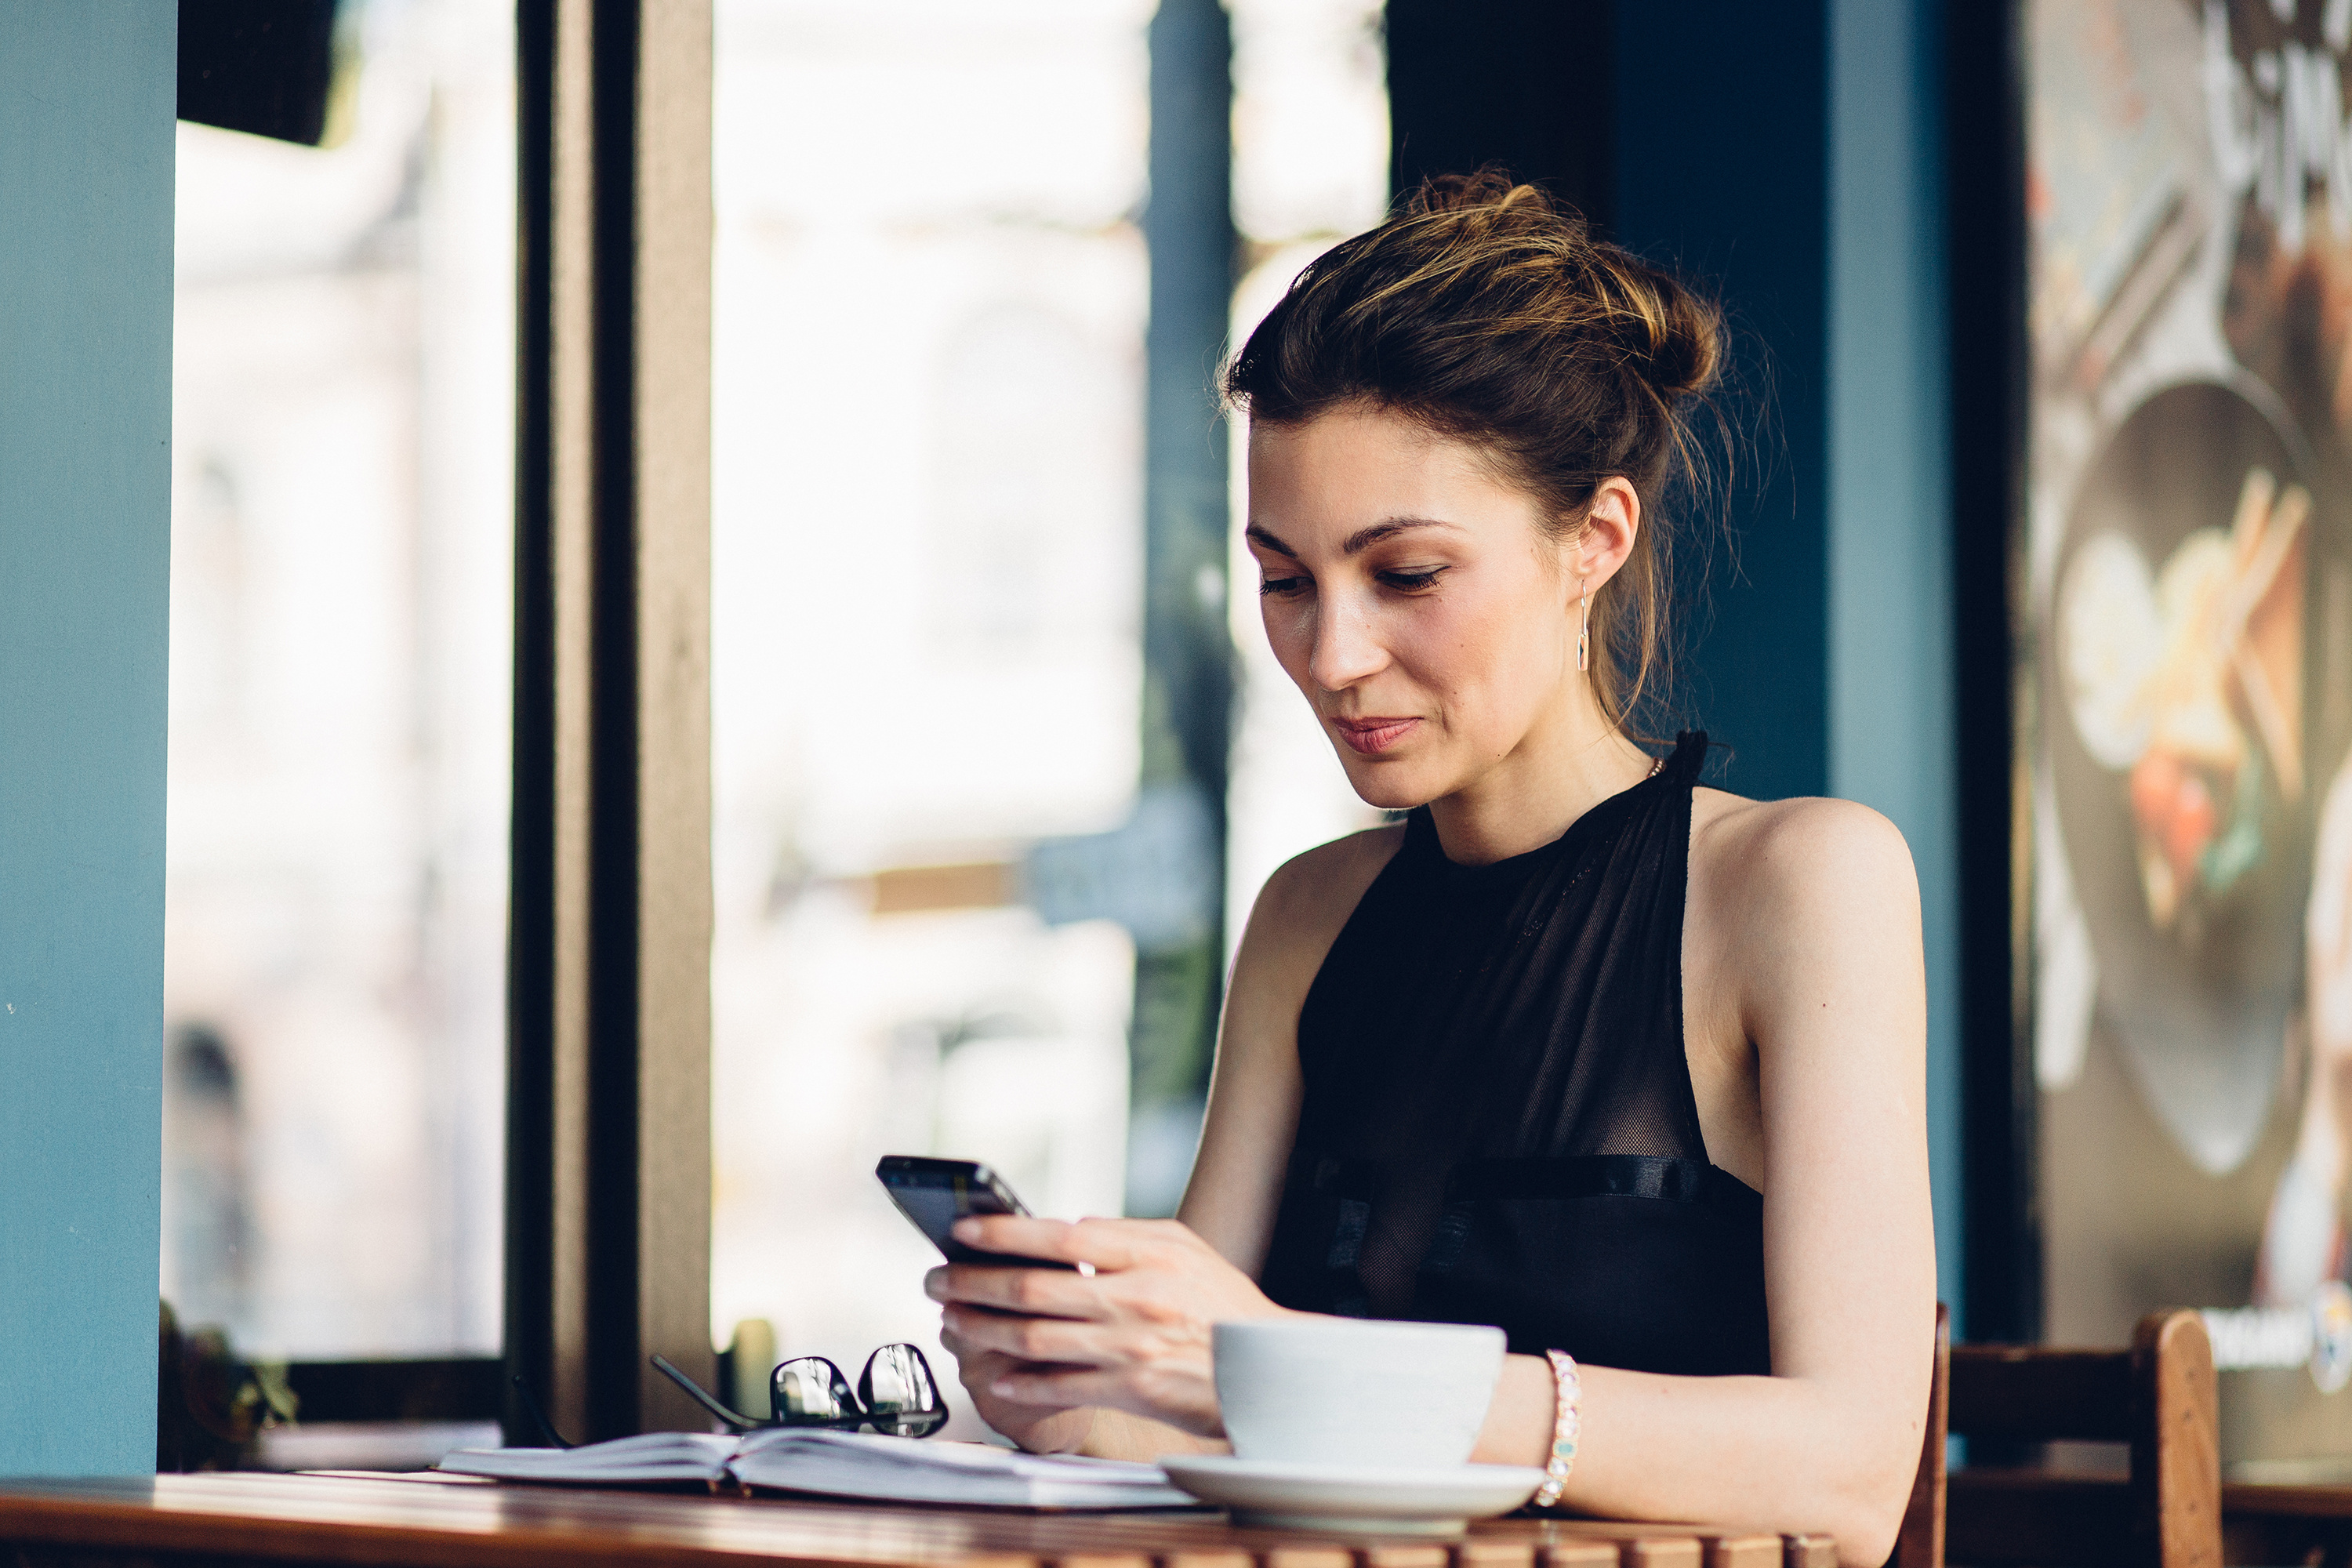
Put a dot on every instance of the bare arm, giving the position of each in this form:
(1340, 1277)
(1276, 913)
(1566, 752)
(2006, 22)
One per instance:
(1253, 1094)
(1811, 932)
(1178, 1277)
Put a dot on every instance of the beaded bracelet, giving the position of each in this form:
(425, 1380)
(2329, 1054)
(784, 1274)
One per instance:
(1564, 1429)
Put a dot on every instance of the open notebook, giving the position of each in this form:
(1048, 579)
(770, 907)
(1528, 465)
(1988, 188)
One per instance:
(837, 1464)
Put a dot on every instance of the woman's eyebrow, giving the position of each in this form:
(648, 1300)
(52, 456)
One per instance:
(1265, 538)
(1365, 538)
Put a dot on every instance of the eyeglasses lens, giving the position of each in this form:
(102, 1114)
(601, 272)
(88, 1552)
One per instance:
(810, 1392)
(899, 1394)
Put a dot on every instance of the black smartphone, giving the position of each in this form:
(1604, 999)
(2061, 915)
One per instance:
(935, 1194)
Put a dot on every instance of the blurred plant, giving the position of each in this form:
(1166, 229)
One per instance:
(210, 1407)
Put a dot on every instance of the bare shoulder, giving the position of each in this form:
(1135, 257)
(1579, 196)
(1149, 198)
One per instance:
(1803, 927)
(1778, 857)
(1298, 916)
(1309, 898)
(1300, 911)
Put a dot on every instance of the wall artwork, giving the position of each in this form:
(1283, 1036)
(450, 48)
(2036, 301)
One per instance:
(2185, 689)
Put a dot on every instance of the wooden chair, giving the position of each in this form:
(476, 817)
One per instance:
(2158, 1397)
(1921, 1543)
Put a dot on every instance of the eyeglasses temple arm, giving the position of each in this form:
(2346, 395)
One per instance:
(537, 1417)
(739, 1422)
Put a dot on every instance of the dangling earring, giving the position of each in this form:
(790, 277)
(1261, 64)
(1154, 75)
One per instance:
(1584, 631)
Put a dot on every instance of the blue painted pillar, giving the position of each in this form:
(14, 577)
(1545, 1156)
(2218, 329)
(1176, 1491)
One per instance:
(87, 98)
(1892, 726)
(1188, 654)
(1789, 157)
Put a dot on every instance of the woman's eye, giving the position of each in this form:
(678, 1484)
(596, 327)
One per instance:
(1281, 587)
(1412, 582)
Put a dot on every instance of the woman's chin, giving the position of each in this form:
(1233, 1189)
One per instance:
(1390, 784)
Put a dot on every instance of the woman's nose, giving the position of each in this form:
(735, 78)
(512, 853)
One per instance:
(1346, 648)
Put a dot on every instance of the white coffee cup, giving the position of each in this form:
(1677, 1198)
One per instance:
(1362, 1393)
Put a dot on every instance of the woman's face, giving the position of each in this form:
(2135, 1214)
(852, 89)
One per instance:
(1413, 596)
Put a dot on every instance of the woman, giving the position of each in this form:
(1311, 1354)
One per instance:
(1633, 1069)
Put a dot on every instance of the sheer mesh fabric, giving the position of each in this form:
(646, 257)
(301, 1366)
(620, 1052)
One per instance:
(1520, 1024)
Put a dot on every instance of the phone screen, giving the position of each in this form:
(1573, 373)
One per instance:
(935, 1194)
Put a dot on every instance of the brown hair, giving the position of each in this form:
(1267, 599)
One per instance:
(1486, 314)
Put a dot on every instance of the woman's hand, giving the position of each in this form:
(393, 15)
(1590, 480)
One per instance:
(1039, 1428)
(1040, 1348)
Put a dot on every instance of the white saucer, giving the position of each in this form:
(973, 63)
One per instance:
(1276, 1494)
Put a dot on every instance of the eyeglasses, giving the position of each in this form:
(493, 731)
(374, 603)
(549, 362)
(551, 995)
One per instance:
(896, 1394)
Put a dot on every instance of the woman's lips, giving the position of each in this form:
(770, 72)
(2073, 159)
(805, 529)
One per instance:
(1373, 736)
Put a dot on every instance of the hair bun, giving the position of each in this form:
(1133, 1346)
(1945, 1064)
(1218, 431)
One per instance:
(1487, 192)
(1685, 340)
(1671, 336)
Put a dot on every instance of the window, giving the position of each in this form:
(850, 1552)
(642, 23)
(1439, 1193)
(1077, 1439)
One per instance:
(927, 665)
(1310, 167)
(932, 300)
(342, 631)
(926, 534)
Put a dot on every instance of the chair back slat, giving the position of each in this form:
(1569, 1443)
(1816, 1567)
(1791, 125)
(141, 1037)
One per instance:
(2159, 1397)
(2032, 1395)
(2020, 1519)
(2176, 1443)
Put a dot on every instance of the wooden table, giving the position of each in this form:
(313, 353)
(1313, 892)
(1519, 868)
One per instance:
(2088, 1512)
(211, 1520)
(2266, 1523)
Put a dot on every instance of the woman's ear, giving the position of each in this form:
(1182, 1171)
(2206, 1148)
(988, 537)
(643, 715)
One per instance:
(1606, 538)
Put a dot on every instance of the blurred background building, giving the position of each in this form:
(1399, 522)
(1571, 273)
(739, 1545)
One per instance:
(933, 295)
(928, 541)
(999, 758)
(340, 659)
(999, 762)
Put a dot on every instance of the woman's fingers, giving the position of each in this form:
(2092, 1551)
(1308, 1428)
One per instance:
(1019, 1235)
(1035, 1293)
(978, 1368)
(1028, 1339)
(1066, 1387)
(1034, 1383)
(1104, 1243)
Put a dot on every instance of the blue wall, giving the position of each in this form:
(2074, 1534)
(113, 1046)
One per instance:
(86, 93)
(1790, 156)
(1891, 666)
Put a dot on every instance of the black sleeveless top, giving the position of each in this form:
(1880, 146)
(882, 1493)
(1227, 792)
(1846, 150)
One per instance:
(1498, 1125)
